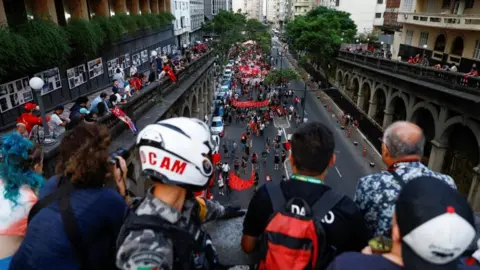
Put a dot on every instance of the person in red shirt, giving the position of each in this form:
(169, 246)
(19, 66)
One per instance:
(27, 118)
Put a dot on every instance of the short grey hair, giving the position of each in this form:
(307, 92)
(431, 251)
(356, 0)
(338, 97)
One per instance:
(398, 147)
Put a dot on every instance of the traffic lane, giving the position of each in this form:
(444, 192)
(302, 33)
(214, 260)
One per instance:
(349, 166)
(233, 133)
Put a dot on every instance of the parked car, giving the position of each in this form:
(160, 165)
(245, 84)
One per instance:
(217, 126)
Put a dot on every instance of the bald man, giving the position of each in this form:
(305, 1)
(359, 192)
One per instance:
(402, 148)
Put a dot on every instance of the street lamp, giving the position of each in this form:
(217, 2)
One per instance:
(154, 57)
(37, 84)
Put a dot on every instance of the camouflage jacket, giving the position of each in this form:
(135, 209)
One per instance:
(147, 249)
(376, 194)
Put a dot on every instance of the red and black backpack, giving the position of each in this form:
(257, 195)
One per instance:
(295, 235)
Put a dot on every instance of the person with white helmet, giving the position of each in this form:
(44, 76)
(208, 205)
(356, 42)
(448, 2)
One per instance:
(163, 231)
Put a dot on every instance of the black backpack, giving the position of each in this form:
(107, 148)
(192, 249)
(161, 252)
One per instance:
(78, 241)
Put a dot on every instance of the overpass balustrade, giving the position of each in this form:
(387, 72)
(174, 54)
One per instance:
(143, 100)
(452, 80)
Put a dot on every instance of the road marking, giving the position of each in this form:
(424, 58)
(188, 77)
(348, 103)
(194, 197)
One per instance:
(339, 174)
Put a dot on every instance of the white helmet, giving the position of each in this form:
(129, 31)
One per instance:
(177, 151)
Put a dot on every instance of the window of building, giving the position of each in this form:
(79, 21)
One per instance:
(409, 37)
(378, 15)
(476, 50)
(380, 2)
(469, 3)
(407, 5)
(446, 4)
(423, 39)
(337, 3)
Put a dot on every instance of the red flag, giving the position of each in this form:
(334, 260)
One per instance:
(124, 117)
(169, 73)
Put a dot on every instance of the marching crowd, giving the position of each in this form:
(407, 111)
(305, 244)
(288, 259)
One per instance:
(83, 217)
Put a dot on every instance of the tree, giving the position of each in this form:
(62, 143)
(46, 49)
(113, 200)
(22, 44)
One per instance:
(278, 76)
(320, 32)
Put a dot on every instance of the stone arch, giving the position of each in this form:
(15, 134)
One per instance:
(346, 80)
(461, 138)
(425, 115)
(339, 77)
(397, 108)
(353, 87)
(378, 103)
(364, 96)
(195, 112)
(186, 111)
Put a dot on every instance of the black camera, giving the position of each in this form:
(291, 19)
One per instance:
(120, 152)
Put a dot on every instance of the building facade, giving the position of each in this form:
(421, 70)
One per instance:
(212, 7)
(254, 9)
(181, 25)
(276, 12)
(448, 31)
(197, 18)
(239, 5)
(367, 14)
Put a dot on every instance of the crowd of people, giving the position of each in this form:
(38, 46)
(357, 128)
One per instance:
(124, 86)
(83, 217)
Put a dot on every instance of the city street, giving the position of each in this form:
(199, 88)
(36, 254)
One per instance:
(350, 165)
(343, 177)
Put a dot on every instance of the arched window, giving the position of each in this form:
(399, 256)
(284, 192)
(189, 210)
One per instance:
(457, 46)
(440, 43)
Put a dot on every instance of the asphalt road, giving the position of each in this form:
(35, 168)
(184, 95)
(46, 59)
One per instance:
(343, 177)
(349, 166)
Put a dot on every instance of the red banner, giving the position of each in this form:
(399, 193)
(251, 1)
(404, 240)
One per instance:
(120, 114)
(237, 183)
(250, 104)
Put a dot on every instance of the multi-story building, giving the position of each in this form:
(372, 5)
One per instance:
(367, 14)
(254, 9)
(212, 7)
(300, 7)
(447, 31)
(182, 27)
(239, 5)
(197, 17)
(276, 12)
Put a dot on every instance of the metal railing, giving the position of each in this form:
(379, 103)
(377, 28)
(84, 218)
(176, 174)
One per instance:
(452, 80)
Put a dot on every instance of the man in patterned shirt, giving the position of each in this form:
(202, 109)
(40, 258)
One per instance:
(402, 149)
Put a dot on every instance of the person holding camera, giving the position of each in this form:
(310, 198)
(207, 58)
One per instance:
(76, 221)
(164, 230)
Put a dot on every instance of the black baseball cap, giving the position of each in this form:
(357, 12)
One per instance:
(436, 224)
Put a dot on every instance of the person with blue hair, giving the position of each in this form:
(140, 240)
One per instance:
(20, 179)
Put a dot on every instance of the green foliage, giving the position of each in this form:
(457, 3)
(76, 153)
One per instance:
(153, 20)
(15, 59)
(320, 33)
(167, 16)
(142, 22)
(278, 76)
(111, 27)
(128, 22)
(48, 43)
(85, 38)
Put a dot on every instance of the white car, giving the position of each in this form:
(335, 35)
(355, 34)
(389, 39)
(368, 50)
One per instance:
(216, 140)
(227, 73)
(217, 126)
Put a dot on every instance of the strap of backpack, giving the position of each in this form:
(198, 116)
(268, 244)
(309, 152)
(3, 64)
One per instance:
(60, 192)
(276, 196)
(328, 200)
(70, 225)
(398, 178)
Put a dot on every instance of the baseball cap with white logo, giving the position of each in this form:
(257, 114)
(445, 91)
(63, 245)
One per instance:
(436, 224)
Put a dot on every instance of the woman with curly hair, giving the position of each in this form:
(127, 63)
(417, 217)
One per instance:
(78, 216)
(20, 178)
